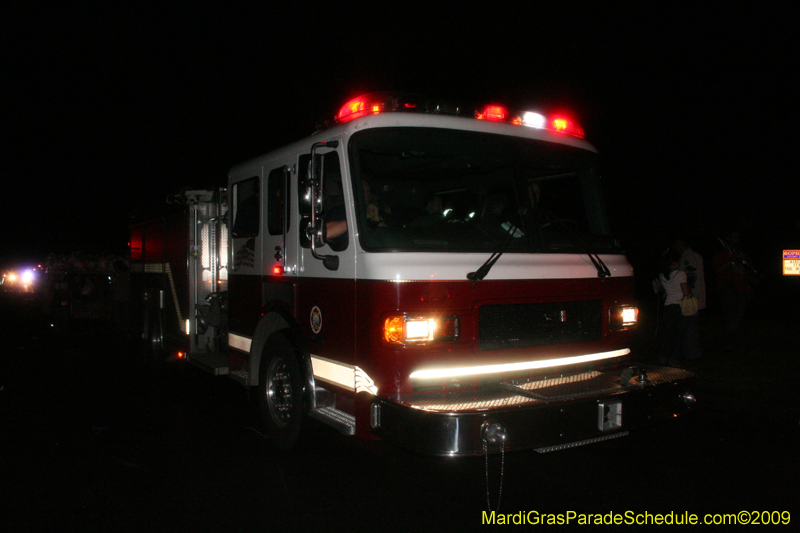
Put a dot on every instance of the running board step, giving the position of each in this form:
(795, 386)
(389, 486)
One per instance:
(210, 362)
(340, 420)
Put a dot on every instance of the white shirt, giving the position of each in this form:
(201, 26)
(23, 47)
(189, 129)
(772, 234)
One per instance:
(692, 259)
(672, 286)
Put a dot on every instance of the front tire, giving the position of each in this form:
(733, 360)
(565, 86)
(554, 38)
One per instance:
(280, 392)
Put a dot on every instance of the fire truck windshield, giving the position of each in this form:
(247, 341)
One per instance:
(426, 189)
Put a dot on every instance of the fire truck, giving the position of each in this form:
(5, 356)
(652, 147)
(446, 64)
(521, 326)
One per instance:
(436, 276)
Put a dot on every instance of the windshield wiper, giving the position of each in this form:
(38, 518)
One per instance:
(602, 269)
(489, 263)
(485, 268)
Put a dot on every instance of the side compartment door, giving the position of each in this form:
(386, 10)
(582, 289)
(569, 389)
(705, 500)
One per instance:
(263, 260)
(280, 249)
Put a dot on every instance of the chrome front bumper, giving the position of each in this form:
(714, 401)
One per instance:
(546, 414)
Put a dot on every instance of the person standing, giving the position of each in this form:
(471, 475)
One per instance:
(735, 279)
(691, 262)
(675, 286)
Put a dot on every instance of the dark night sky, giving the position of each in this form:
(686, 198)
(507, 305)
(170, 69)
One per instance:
(109, 109)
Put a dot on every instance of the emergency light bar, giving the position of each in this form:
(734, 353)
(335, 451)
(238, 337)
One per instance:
(383, 102)
(380, 102)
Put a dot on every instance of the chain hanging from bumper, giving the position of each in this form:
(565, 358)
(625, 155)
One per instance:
(494, 434)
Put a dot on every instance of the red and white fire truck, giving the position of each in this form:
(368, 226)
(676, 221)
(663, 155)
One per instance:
(416, 273)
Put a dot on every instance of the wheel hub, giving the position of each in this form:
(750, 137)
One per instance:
(279, 392)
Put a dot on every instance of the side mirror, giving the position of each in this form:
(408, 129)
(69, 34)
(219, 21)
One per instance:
(305, 223)
(315, 231)
(313, 234)
(316, 173)
(307, 185)
(331, 262)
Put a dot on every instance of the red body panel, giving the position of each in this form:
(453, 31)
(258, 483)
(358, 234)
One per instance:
(349, 317)
(390, 366)
(336, 321)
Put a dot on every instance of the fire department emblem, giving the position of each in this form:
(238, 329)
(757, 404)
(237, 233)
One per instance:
(316, 319)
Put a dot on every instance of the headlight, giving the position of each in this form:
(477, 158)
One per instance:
(623, 317)
(402, 330)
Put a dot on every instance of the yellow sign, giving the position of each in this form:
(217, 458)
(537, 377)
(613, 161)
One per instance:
(791, 262)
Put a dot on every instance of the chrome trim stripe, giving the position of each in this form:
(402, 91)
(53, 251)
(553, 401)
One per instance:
(343, 375)
(238, 342)
(438, 373)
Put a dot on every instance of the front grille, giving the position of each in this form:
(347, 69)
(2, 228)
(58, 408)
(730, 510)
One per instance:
(543, 324)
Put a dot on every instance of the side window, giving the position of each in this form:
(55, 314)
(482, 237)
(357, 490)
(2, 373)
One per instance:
(333, 201)
(277, 200)
(246, 206)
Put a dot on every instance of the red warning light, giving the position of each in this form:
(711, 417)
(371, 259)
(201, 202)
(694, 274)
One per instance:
(565, 125)
(358, 107)
(351, 110)
(493, 112)
(560, 124)
(382, 102)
